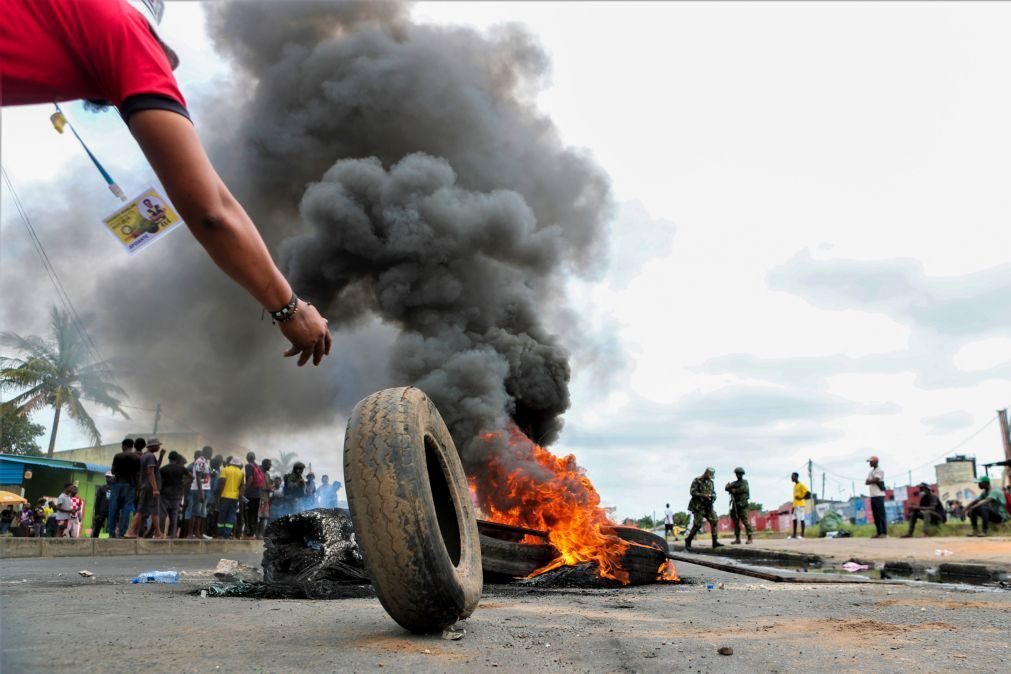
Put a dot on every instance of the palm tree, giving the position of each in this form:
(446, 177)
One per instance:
(57, 373)
(282, 464)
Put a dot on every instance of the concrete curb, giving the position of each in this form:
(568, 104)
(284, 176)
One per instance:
(754, 553)
(20, 548)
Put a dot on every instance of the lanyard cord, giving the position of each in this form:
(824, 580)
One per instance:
(60, 120)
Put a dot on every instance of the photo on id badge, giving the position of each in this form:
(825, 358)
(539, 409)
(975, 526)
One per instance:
(145, 219)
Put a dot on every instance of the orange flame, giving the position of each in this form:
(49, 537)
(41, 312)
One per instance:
(667, 573)
(553, 494)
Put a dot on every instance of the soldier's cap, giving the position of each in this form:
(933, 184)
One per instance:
(924, 485)
(739, 470)
(711, 470)
(983, 479)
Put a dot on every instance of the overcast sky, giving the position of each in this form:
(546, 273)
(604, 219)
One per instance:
(812, 257)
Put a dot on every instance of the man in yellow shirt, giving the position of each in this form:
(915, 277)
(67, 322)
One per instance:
(800, 496)
(229, 487)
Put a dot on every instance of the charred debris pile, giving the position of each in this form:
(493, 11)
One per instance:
(314, 555)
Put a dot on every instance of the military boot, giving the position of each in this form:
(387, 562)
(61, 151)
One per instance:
(737, 540)
(749, 539)
(688, 543)
(716, 542)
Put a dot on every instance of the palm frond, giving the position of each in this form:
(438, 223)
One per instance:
(77, 412)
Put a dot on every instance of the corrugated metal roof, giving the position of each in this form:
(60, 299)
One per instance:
(54, 463)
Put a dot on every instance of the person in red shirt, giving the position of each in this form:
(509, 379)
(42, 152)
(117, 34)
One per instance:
(106, 51)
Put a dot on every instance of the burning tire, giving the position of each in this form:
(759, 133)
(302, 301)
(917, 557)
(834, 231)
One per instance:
(513, 560)
(411, 509)
(641, 536)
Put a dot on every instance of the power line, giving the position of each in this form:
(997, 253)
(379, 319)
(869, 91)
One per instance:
(924, 465)
(54, 277)
(959, 445)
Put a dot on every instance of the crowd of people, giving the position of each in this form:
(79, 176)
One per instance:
(151, 494)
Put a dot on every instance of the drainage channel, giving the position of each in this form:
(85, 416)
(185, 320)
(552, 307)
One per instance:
(957, 574)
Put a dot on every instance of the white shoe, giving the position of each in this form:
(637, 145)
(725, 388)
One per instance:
(800, 537)
(789, 538)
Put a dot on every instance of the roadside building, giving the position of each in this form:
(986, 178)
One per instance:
(33, 477)
(956, 479)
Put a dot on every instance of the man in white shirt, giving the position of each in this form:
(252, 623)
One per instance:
(876, 484)
(668, 522)
(65, 508)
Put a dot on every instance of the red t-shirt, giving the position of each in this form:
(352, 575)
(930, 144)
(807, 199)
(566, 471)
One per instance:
(60, 50)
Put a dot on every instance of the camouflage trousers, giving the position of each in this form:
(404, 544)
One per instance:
(738, 522)
(702, 512)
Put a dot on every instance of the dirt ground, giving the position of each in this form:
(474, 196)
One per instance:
(993, 551)
(54, 620)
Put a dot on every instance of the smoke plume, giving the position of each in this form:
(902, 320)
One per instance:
(439, 199)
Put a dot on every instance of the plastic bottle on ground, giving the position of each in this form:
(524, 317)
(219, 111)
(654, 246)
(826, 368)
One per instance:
(157, 577)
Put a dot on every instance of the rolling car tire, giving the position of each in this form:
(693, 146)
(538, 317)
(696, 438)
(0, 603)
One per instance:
(411, 509)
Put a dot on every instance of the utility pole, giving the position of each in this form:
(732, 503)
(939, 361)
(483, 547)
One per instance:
(1005, 436)
(157, 418)
(823, 485)
(810, 478)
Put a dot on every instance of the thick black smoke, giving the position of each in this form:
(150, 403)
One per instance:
(438, 198)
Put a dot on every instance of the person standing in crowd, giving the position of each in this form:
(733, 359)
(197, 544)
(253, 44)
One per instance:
(990, 507)
(740, 495)
(277, 504)
(255, 482)
(668, 522)
(876, 484)
(228, 490)
(52, 521)
(799, 506)
(703, 494)
(929, 509)
(212, 504)
(126, 473)
(101, 512)
(26, 519)
(294, 489)
(65, 509)
(263, 515)
(172, 485)
(200, 494)
(74, 526)
(150, 492)
(40, 517)
(310, 491)
(6, 517)
(324, 493)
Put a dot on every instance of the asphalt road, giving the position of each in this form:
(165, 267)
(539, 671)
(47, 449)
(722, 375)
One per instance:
(53, 620)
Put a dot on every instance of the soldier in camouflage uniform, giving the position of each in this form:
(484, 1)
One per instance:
(703, 493)
(739, 496)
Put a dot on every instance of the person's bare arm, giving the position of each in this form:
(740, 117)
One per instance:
(152, 480)
(222, 226)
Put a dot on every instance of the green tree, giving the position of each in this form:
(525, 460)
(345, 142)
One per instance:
(646, 522)
(681, 519)
(57, 373)
(755, 506)
(18, 433)
(283, 463)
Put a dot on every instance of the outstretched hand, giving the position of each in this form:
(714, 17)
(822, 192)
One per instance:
(308, 333)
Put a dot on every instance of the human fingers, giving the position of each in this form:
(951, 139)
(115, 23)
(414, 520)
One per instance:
(304, 358)
(329, 341)
(317, 352)
(292, 351)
